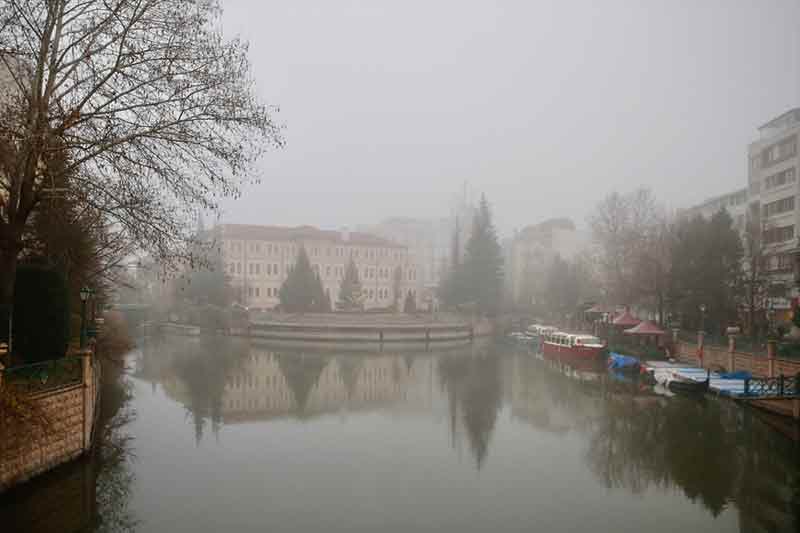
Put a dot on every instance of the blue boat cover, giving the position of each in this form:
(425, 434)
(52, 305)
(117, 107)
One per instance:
(739, 374)
(616, 360)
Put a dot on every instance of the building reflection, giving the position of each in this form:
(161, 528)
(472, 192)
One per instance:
(253, 382)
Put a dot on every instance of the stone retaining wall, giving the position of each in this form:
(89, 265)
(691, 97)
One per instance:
(369, 332)
(26, 449)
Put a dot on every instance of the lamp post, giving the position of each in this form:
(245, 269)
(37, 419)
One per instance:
(770, 318)
(703, 317)
(84, 293)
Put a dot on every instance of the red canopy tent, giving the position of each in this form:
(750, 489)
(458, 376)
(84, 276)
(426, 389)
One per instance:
(645, 327)
(646, 330)
(626, 320)
(600, 309)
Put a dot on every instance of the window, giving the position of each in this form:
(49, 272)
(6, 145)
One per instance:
(780, 178)
(238, 268)
(784, 205)
(258, 268)
(250, 291)
(258, 292)
(328, 271)
(781, 234)
(779, 151)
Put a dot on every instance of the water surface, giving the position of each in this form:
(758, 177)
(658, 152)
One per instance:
(231, 436)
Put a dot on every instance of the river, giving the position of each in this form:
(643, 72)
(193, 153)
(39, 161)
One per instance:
(223, 435)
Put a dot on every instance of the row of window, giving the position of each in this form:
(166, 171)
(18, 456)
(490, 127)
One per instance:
(778, 152)
(780, 234)
(777, 262)
(255, 247)
(780, 179)
(330, 272)
(269, 292)
(784, 205)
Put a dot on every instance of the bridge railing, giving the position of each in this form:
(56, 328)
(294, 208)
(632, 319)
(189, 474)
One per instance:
(779, 386)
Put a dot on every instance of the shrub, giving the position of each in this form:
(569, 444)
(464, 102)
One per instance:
(41, 314)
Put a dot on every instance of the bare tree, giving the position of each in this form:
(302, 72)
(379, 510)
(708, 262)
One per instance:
(142, 106)
(621, 226)
(755, 269)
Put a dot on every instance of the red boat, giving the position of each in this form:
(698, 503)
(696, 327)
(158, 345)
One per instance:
(575, 347)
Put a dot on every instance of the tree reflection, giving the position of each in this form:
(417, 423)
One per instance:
(203, 369)
(302, 372)
(474, 389)
(711, 449)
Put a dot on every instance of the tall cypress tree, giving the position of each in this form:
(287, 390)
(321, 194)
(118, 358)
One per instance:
(483, 264)
(300, 293)
(350, 296)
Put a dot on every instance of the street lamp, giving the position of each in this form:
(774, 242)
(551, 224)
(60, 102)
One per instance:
(703, 317)
(770, 318)
(84, 293)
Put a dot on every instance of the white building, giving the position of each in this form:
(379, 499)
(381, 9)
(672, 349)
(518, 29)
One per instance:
(530, 253)
(258, 260)
(773, 190)
(735, 203)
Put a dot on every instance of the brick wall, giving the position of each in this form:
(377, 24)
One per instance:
(27, 450)
(717, 357)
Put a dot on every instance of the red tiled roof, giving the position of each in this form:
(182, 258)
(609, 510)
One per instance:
(626, 319)
(645, 328)
(302, 233)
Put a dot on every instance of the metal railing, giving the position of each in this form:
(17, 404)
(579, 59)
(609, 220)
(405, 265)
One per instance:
(778, 386)
(44, 376)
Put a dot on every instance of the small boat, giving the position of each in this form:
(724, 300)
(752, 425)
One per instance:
(623, 363)
(689, 386)
(570, 346)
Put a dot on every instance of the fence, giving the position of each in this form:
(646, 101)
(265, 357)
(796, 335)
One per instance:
(63, 394)
(44, 376)
(731, 361)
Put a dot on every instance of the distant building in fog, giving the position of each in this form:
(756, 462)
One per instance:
(531, 251)
(258, 260)
(735, 203)
(429, 240)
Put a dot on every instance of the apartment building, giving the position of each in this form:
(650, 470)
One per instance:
(734, 202)
(773, 188)
(258, 260)
(530, 253)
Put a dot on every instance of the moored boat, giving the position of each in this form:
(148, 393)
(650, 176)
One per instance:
(572, 346)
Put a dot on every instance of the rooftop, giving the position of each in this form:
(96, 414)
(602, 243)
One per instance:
(780, 123)
(303, 233)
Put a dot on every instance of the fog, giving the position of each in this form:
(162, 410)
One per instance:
(390, 107)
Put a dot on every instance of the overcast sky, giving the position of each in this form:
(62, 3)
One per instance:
(546, 106)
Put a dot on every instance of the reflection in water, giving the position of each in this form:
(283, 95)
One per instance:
(474, 392)
(549, 441)
(712, 450)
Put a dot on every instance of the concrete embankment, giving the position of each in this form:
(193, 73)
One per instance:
(367, 328)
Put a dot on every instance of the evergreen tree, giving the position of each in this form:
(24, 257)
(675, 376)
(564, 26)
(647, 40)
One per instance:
(397, 288)
(410, 305)
(483, 264)
(350, 296)
(706, 259)
(321, 301)
(300, 292)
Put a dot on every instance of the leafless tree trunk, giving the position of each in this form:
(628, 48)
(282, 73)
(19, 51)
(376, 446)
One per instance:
(151, 110)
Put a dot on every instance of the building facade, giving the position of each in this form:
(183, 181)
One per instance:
(531, 252)
(774, 163)
(734, 202)
(258, 260)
